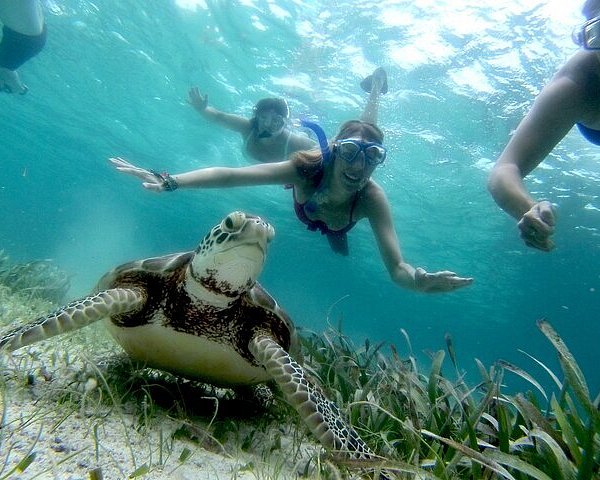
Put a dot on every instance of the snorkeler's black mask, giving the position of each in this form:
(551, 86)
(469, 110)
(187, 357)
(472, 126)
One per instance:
(272, 123)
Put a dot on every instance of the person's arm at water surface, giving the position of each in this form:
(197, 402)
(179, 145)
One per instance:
(213, 177)
(560, 105)
(227, 120)
(378, 212)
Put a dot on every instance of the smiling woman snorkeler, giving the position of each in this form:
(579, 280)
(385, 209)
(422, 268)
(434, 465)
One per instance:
(333, 190)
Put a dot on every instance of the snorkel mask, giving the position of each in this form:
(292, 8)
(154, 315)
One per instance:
(348, 149)
(587, 35)
(270, 117)
(275, 124)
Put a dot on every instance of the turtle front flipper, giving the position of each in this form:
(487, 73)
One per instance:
(322, 416)
(73, 316)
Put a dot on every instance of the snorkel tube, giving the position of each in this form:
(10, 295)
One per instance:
(321, 137)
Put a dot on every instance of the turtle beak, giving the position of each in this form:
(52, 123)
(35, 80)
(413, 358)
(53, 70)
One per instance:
(261, 229)
(270, 233)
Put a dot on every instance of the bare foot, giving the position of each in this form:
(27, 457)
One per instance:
(10, 82)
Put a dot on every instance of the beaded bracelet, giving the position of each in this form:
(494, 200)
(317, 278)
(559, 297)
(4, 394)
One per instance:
(168, 183)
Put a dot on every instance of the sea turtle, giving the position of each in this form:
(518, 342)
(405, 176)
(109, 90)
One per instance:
(202, 315)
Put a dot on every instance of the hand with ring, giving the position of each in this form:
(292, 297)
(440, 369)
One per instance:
(537, 226)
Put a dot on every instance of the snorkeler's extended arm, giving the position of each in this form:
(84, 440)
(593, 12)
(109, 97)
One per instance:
(212, 177)
(402, 273)
(556, 109)
(227, 120)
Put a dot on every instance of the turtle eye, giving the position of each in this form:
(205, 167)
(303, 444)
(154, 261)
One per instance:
(233, 221)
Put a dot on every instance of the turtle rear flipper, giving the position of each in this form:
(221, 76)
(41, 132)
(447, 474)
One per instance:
(321, 415)
(73, 316)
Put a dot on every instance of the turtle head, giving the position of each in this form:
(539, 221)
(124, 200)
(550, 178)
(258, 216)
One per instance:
(230, 257)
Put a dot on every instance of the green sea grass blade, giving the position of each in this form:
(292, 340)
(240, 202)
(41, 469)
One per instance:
(571, 410)
(388, 465)
(48, 471)
(25, 462)
(514, 462)
(3, 406)
(184, 455)
(571, 370)
(567, 431)
(504, 428)
(96, 474)
(440, 409)
(483, 371)
(566, 470)
(440, 468)
(474, 455)
(141, 471)
(20, 467)
(562, 349)
(407, 340)
(467, 395)
(439, 464)
(467, 429)
(447, 387)
(436, 368)
(547, 369)
(535, 417)
(587, 467)
(371, 353)
(491, 420)
(483, 405)
(475, 468)
(523, 374)
(451, 351)
(520, 444)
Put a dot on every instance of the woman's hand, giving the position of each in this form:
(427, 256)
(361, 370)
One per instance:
(444, 281)
(152, 180)
(537, 225)
(196, 100)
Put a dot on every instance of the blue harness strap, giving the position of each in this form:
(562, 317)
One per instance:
(321, 137)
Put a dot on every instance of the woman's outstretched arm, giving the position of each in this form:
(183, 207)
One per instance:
(402, 273)
(212, 177)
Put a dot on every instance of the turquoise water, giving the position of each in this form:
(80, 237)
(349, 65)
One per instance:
(113, 80)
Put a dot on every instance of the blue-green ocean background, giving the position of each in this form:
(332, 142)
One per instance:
(113, 80)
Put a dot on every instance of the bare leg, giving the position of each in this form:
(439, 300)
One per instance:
(378, 86)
